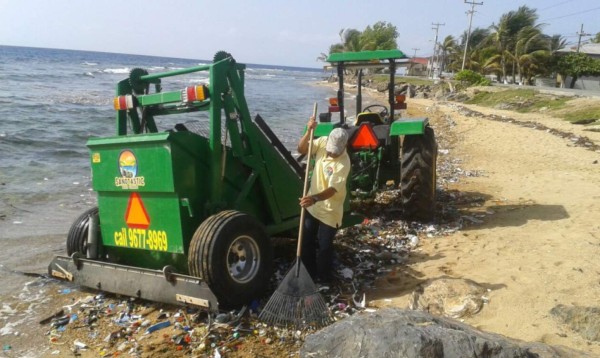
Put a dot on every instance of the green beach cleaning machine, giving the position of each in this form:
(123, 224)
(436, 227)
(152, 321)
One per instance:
(186, 215)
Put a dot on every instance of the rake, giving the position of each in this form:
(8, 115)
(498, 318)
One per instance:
(297, 301)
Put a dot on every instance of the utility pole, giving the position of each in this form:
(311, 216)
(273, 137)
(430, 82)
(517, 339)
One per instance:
(470, 13)
(433, 58)
(581, 34)
(412, 62)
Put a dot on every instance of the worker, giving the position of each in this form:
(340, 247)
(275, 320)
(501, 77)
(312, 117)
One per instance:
(324, 202)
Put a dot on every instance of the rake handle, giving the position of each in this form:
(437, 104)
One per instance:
(311, 134)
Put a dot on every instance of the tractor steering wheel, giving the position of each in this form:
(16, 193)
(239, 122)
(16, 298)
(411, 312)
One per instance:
(383, 111)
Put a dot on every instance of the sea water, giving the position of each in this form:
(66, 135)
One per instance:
(52, 101)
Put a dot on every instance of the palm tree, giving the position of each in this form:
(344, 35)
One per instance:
(556, 42)
(477, 41)
(449, 49)
(529, 39)
(505, 35)
(500, 40)
(349, 41)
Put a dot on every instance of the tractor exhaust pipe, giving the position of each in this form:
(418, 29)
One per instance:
(92, 239)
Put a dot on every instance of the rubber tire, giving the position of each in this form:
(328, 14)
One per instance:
(208, 255)
(418, 175)
(78, 233)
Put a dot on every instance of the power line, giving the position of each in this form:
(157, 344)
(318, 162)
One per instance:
(412, 61)
(555, 5)
(470, 12)
(581, 34)
(575, 13)
(433, 58)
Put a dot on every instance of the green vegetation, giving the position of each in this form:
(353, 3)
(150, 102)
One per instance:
(410, 80)
(577, 65)
(472, 78)
(381, 36)
(516, 97)
(415, 81)
(587, 113)
(521, 100)
(529, 100)
(513, 48)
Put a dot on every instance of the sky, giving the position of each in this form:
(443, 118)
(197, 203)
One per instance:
(275, 32)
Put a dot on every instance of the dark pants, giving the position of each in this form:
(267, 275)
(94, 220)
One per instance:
(317, 248)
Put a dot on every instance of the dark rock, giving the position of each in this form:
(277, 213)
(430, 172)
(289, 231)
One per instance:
(585, 121)
(583, 320)
(382, 87)
(401, 89)
(394, 332)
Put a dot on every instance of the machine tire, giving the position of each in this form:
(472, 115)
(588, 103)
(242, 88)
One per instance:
(78, 233)
(418, 175)
(231, 240)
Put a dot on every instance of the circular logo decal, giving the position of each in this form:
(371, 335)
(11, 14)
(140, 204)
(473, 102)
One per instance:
(127, 164)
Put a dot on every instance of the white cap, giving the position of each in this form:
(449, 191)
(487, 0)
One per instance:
(336, 141)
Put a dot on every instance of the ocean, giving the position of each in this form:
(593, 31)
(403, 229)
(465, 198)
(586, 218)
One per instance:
(52, 101)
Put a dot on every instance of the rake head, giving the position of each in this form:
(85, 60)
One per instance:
(297, 302)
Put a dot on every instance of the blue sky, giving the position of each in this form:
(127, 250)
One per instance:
(276, 32)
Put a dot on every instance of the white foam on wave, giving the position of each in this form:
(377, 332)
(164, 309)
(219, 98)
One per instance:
(116, 70)
(89, 74)
(200, 80)
(266, 76)
(6, 310)
(90, 63)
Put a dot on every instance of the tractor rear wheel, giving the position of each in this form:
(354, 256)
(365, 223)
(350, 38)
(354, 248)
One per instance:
(78, 233)
(231, 251)
(418, 175)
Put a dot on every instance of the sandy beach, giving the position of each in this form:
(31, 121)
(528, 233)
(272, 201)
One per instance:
(537, 236)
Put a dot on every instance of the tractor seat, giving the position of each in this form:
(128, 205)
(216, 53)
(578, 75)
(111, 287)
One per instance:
(368, 117)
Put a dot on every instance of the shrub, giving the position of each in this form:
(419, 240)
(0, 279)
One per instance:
(472, 78)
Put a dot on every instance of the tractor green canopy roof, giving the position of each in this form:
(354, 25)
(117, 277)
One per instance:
(365, 56)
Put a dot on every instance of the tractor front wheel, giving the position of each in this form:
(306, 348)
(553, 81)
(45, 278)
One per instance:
(231, 251)
(418, 175)
(78, 233)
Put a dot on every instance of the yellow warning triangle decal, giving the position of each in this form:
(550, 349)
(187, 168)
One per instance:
(136, 215)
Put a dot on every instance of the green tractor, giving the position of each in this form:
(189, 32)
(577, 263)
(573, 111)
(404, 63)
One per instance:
(385, 148)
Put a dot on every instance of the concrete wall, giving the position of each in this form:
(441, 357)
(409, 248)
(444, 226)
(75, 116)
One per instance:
(585, 83)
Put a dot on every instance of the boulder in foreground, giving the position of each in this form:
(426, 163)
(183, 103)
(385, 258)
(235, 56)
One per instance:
(394, 332)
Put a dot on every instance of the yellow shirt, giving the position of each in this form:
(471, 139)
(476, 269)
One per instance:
(328, 172)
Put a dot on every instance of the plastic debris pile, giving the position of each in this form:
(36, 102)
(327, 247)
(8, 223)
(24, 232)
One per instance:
(109, 327)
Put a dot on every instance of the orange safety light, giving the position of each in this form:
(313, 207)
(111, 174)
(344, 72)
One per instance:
(364, 138)
(400, 102)
(122, 103)
(194, 93)
(333, 105)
